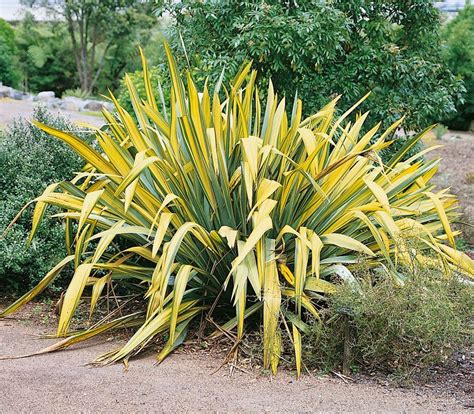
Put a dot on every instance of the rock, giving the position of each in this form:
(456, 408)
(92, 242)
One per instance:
(18, 95)
(8, 92)
(109, 106)
(45, 96)
(5, 91)
(77, 102)
(68, 105)
(93, 105)
(53, 103)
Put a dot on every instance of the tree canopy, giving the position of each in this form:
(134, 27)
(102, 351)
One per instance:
(44, 54)
(323, 49)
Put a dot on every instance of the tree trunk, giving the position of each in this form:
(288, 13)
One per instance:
(347, 356)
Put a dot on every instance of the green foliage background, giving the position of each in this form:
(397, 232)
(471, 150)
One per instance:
(9, 74)
(106, 35)
(44, 52)
(323, 49)
(458, 52)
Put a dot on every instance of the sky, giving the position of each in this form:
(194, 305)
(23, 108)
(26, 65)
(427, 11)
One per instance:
(450, 4)
(13, 10)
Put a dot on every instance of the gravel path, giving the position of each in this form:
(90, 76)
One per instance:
(11, 109)
(60, 382)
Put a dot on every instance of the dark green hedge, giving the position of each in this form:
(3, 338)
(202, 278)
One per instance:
(30, 160)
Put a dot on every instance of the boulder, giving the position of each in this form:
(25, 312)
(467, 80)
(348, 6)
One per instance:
(68, 105)
(18, 95)
(77, 102)
(92, 105)
(45, 96)
(53, 103)
(5, 91)
(109, 106)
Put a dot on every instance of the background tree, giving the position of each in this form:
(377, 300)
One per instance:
(123, 57)
(322, 49)
(44, 54)
(458, 52)
(9, 74)
(97, 30)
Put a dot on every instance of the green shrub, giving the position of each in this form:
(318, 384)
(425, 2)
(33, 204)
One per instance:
(30, 160)
(440, 130)
(400, 330)
(458, 53)
(76, 93)
(158, 76)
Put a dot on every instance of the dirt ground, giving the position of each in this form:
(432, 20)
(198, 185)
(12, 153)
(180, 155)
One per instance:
(11, 109)
(61, 382)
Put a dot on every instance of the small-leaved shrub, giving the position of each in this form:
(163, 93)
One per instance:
(30, 160)
(399, 330)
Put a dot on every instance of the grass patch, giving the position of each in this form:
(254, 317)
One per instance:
(470, 178)
(92, 113)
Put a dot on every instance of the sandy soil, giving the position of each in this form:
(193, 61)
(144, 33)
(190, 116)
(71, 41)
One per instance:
(11, 109)
(61, 382)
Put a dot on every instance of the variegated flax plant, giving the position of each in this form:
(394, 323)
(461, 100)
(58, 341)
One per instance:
(227, 205)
